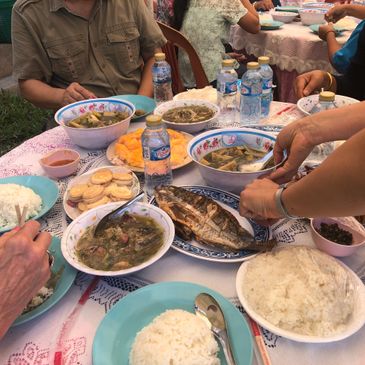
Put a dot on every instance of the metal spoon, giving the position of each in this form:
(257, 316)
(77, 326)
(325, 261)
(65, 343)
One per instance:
(207, 308)
(258, 164)
(114, 214)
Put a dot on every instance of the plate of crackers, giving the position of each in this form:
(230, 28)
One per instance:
(98, 187)
(127, 150)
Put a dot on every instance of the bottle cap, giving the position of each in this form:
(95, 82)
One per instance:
(264, 60)
(252, 65)
(327, 96)
(153, 120)
(228, 62)
(160, 56)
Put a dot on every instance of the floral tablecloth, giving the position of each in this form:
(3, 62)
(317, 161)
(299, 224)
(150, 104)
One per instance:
(34, 342)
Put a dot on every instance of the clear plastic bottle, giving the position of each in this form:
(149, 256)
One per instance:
(326, 101)
(156, 154)
(227, 92)
(161, 76)
(251, 90)
(267, 75)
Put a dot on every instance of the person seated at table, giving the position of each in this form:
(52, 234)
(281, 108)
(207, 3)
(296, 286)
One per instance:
(206, 24)
(24, 269)
(351, 83)
(70, 50)
(333, 189)
(341, 55)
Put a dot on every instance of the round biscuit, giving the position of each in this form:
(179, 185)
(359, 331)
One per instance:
(101, 176)
(103, 200)
(121, 192)
(82, 207)
(94, 199)
(122, 176)
(76, 191)
(92, 191)
(108, 190)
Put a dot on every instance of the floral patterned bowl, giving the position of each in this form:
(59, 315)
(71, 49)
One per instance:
(216, 139)
(95, 138)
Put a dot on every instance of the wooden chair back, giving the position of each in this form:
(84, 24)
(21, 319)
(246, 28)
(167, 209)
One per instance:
(177, 39)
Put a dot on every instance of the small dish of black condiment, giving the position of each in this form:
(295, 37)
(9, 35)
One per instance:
(336, 234)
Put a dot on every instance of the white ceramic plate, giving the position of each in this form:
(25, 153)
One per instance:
(307, 103)
(356, 322)
(75, 230)
(201, 251)
(73, 212)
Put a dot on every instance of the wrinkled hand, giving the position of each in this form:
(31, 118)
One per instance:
(336, 13)
(264, 5)
(24, 269)
(76, 92)
(257, 200)
(296, 139)
(309, 82)
(324, 29)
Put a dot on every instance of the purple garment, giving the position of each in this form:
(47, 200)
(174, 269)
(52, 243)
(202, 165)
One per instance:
(165, 11)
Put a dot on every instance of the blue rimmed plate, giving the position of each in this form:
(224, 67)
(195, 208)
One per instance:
(63, 285)
(270, 24)
(140, 102)
(41, 185)
(204, 252)
(116, 333)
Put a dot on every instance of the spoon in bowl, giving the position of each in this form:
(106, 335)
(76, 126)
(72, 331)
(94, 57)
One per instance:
(257, 165)
(208, 309)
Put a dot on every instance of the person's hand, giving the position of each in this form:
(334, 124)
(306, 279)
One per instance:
(264, 5)
(296, 139)
(24, 269)
(239, 57)
(336, 13)
(257, 200)
(324, 29)
(309, 82)
(75, 92)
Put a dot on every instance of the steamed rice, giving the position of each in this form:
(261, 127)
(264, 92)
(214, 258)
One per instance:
(175, 337)
(300, 289)
(12, 194)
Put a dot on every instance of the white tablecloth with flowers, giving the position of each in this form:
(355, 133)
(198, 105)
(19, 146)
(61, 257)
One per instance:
(33, 343)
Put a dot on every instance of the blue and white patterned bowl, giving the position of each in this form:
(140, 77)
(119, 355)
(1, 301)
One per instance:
(216, 139)
(95, 138)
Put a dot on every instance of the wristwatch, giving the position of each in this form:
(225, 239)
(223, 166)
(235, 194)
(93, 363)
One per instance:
(279, 203)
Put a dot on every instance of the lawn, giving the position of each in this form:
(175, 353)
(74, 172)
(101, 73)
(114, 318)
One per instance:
(19, 121)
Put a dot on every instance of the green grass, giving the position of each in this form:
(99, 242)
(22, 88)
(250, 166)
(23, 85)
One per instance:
(19, 121)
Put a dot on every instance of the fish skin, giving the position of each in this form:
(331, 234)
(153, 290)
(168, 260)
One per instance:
(199, 216)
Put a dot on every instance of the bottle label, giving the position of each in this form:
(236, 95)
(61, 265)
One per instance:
(228, 87)
(156, 154)
(266, 85)
(254, 90)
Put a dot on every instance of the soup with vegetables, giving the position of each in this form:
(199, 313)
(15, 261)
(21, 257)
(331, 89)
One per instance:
(188, 114)
(97, 119)
(127, 242)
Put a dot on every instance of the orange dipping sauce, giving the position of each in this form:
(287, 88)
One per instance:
(61, 162)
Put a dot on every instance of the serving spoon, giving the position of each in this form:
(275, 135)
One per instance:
(258, 164)
(208, 309)
(104, 222)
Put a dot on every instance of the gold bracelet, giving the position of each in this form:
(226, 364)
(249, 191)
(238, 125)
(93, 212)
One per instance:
(331, 80)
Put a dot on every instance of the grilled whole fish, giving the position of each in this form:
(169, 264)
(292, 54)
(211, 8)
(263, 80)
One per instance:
(197, 216)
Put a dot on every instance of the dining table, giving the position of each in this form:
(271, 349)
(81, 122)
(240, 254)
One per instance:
(293, 49)
(34, 343)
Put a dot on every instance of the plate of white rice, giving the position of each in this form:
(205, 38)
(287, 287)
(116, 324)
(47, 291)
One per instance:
(302, 294)
(38, 193)
(156, 325)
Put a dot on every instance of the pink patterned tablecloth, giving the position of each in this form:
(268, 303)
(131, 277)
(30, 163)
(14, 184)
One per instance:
(34, 343)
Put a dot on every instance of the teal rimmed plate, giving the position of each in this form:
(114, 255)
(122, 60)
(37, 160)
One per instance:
(139, 102)
(338, 30)
(62, 286)
(270, 24)
(116, 333)
(41, 185)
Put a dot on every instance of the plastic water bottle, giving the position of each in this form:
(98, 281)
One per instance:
(267, 75)
(156, 154)
(251, 90)
(161, 76)
(326, 101)
(227, 92)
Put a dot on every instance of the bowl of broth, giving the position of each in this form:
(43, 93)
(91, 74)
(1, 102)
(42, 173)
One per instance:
(95, 123)
(222, 156)
(136, 239)
(60, 163)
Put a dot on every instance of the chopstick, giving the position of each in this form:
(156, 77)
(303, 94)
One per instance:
(21, 215)
(290, 107)
(261, 354)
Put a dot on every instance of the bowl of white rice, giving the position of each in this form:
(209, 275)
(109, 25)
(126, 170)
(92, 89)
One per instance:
(302, 294)
(38, 193)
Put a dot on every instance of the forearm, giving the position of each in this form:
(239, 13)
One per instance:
(335, 188)
(146, 86)
(251, 9)
(357, 11)
(332, 45)
(41, 94)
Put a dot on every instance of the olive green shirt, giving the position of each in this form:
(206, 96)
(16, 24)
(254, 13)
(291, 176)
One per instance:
(105, 53)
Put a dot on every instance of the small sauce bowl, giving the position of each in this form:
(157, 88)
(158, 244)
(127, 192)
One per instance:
(60, 163)
(333, 248)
